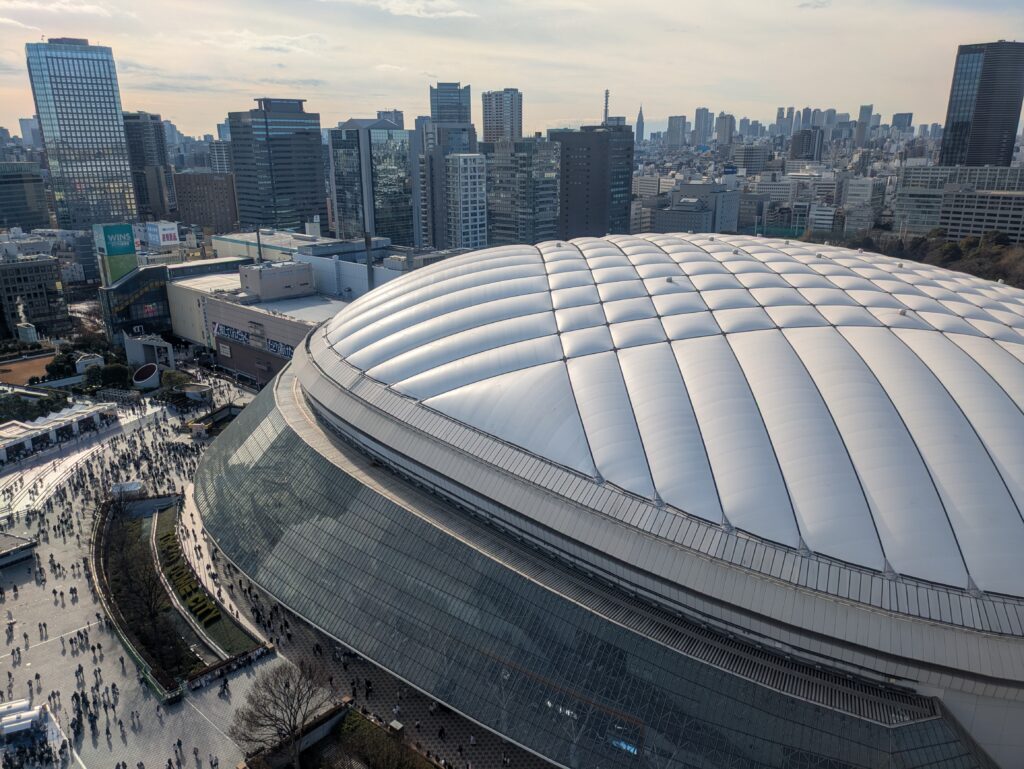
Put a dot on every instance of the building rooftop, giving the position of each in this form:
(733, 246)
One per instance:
(311, 309)
(833, 401)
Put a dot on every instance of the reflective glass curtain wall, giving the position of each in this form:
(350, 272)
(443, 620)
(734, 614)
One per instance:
(79, 106)
(523, 660)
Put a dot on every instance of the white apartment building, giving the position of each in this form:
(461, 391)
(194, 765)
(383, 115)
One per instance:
(466, 200)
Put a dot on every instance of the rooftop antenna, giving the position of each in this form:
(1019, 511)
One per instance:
(605, 121)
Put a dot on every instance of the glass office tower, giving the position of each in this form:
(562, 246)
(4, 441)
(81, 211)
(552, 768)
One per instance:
(371, 180)
(79, 105)
(450, 103)
(984, 105)
(277, 157)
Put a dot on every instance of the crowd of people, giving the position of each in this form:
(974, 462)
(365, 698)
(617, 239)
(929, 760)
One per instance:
(55, 501)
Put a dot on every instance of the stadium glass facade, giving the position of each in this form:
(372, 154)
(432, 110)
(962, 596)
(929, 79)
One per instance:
(395, 585)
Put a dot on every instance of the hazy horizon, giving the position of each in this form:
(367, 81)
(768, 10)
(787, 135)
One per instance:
(194, 62)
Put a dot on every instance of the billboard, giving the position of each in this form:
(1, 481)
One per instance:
(115, 250)
(161, 234)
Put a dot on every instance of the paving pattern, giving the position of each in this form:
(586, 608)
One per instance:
(43, 616)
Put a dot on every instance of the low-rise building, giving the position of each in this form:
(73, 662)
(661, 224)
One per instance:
(962, 200)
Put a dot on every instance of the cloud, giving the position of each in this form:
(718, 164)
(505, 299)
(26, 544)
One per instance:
(5, 22)
(388, 68)
(56, 6)
(311, 82)
(420, 9)
(815, 5)
(248, 40)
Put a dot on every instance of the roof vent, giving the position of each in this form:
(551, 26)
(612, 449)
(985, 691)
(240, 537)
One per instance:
(669, 279)
(1000, 281)
(735, 250)
(899, 265)
(711, 237)
(903, 311)
(820, 255)
(786, 242)
(860, 250)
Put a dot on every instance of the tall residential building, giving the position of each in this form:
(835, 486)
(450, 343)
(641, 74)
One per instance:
(466, 200)
(277, 157)
(220, 156)
(703, 125)
(74, 85)
(503, 114)
(675, 136)
(152, 176)
(371, 180)
(640, 125)
(207, 199)
(522, 190)
(725, 128)
(984, 105)
(22, 197)
(596, 181)
(31, 292)
(395, 116)
(450, 103)
(223, 132)
(860, 135)
(432, 143)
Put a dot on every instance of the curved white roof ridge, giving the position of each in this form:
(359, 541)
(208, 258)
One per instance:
(868, 408)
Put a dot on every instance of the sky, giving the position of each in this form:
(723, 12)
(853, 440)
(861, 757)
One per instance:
(193, 61)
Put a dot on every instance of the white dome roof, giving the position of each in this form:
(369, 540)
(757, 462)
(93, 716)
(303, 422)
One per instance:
(866, 409)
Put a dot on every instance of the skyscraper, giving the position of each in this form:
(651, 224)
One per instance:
(860, 135)
(450, 103)
(277, 157)
(22, 197)
(984, 105)
(220, 156)
(466, 200)
(703, 125)
(152, 176)
(640, 125)
(596, 181)
(74, 85)
(432, 143)
(789, 122)
(522, 190)
(371, 180)
(725, 127)
(807, 144)
(903, 121)
(395, 116)
(503, 114)
(675, 137)
(30, 134)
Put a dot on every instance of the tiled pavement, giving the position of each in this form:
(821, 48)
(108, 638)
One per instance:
(200, 720)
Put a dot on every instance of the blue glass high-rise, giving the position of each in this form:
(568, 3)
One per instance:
(79, 106)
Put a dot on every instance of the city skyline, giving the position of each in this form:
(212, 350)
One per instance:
(330, 53)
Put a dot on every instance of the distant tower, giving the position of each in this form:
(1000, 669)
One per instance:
(640, 125)
(605, 120)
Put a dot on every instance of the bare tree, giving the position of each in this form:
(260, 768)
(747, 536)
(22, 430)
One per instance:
(282, 703)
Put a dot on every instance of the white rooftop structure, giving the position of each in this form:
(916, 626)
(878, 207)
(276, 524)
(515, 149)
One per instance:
(840, 403)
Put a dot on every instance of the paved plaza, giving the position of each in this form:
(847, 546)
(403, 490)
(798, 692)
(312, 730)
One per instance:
(42, 615)
(45, 608)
